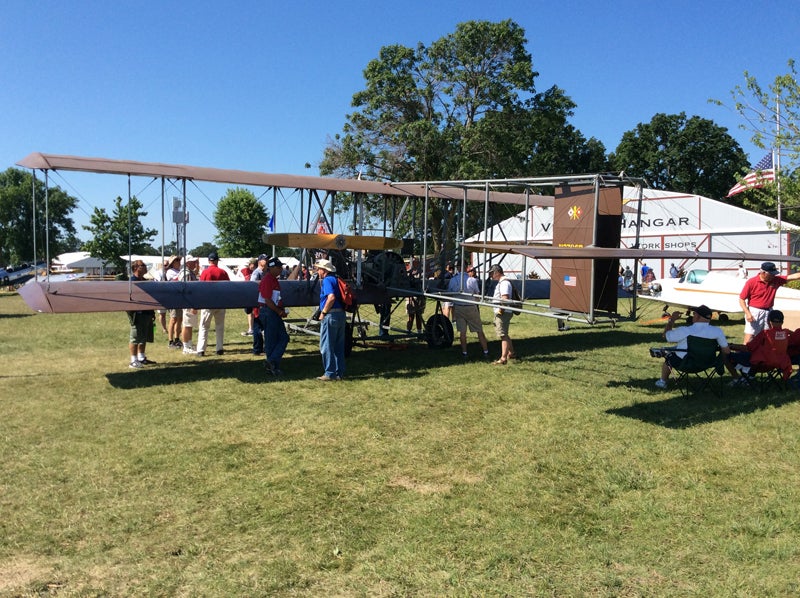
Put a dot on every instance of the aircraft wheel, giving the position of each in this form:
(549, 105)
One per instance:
(348, 339)
(723, 317)
(5, 279)
(439, 332)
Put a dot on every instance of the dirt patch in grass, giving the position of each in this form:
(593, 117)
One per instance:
(22, 574)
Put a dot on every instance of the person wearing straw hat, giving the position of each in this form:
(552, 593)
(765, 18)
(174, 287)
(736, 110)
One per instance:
(333, 322)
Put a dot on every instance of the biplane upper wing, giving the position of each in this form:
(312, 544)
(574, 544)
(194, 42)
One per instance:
(332, 241)
(592, 252)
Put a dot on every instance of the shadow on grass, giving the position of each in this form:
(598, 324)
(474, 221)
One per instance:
(363, 364)
(377, 360)
(678, 412)
(10, 316)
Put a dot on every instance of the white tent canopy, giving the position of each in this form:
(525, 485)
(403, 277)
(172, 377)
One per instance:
(669, 221)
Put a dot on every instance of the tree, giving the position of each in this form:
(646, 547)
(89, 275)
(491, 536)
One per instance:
(678, 154)
(118, 235)
(465, 107)
(16, 219)
(241, 220)
(772, 116)
(203, 249)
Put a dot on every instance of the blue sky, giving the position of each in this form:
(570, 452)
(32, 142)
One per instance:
(262, 85)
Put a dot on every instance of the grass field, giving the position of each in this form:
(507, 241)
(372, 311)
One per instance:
(565, 473)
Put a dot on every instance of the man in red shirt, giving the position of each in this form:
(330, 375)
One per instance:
(211, 274)
(271, 313)
(758, 297)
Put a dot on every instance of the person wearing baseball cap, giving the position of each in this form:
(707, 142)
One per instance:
(767, 351)
(758, 297)
(700, 326)
(271, 313)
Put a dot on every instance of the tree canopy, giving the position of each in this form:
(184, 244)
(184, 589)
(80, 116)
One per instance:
(464, 107)
(16, 219)
(117, 235)
(241, 220)
(674, 153)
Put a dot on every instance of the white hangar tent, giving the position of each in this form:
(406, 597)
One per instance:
(78, 261)
(674, 221)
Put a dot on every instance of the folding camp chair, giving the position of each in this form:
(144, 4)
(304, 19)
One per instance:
(766, 378)
(702, 367)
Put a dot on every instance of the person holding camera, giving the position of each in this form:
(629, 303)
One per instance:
(700, 326)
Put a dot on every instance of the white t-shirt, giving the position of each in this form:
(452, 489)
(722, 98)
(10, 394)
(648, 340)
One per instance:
(503, 287)
(701, 329)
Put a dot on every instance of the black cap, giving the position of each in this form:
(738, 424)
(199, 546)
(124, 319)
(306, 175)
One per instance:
(776, 315)
(703, 311)
(274, 262)
(496, 268)
(213, 257)
(769, 268)
(263, 256)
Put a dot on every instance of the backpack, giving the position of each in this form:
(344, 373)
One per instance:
(346, 295)
(516, 301)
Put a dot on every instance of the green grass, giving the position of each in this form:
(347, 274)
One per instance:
(565, 473)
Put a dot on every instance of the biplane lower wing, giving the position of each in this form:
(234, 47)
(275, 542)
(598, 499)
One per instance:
(77, 296)
(330, 241)
(592, 252)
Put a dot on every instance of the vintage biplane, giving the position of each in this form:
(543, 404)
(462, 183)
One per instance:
(585, 250)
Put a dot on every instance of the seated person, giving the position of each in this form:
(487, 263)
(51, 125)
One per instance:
(768, 350)
(700, 326)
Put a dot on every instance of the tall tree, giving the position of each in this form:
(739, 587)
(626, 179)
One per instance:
(674, 153)
(115, 235)
(16, 219)
(464, 107)
(772, 116)
(241, 220)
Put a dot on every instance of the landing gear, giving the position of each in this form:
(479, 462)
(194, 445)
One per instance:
(439, 332)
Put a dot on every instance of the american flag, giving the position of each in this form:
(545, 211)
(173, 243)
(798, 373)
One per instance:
(761, 174)
(570, 281)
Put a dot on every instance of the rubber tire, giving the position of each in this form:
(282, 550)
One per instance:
(439, 332)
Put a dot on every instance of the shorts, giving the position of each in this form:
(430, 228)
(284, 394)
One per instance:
(175, 314)
(189, 318)
(467, 317)
(141, 327)
(501, 323)
(759, 322)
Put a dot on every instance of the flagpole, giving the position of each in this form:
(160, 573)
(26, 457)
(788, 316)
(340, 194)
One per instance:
(776, 164)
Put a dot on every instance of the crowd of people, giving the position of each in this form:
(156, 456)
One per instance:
(265, 319)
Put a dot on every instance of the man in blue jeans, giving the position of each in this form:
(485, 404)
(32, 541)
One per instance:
(333, 322)
(271, 314)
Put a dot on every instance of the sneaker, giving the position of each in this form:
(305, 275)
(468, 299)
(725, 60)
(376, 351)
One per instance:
(135, 365)
(220, 352)
(178, 344)
(172, 345)
(741, 382)
(188, 350)
(248, 333)
(200, 353)
(324, 378)
(269, 367)
(661, 383)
